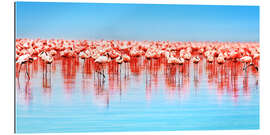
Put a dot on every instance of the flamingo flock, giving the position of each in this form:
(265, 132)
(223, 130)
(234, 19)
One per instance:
(121, 52)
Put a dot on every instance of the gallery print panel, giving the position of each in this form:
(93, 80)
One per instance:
(92, 67)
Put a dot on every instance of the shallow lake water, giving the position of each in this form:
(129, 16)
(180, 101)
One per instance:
(143, 95)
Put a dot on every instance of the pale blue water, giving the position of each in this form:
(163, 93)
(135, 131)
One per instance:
(141, 104)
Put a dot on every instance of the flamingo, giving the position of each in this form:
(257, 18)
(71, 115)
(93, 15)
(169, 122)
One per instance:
(103, 60)
(23, 60)
(181, 61)
(126, 59)
(220, 60)
(173, 60)
(103, 51)
(48, 59)
(210, 58)
(195, 59)
(119, 60)
(247, 60)
(53, 52)
(84, 55)
(187, 56)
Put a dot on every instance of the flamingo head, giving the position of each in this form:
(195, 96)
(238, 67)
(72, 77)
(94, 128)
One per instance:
(106, 54)
(30, 59)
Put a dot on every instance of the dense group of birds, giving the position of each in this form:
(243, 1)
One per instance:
(105, 51)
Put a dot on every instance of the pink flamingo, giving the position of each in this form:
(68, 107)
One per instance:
(103, 60)
(195, 60)
(247, 60)
(23, 60)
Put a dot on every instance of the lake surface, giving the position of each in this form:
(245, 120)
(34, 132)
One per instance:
(143, 95)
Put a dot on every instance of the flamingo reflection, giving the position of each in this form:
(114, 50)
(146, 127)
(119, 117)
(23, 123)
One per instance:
(176, 79)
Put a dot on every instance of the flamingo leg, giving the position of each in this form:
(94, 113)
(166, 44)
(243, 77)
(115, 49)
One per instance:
(46, 77)
(27, 71)
(128, 69)
(98, 76)
(120, 85)
(43, 75)
(125, 70)
(245, 67)
(94, 76)
(50, 77)
(146, 78)
(120, 70)
(103, 73)
(20, 67)
(19, 86)
(83, 65)
(46, 69)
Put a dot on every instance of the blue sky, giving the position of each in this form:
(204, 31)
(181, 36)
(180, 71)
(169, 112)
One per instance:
(137, 21)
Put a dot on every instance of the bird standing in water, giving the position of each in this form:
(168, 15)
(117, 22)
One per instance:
(102, 60)
(24, 59)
